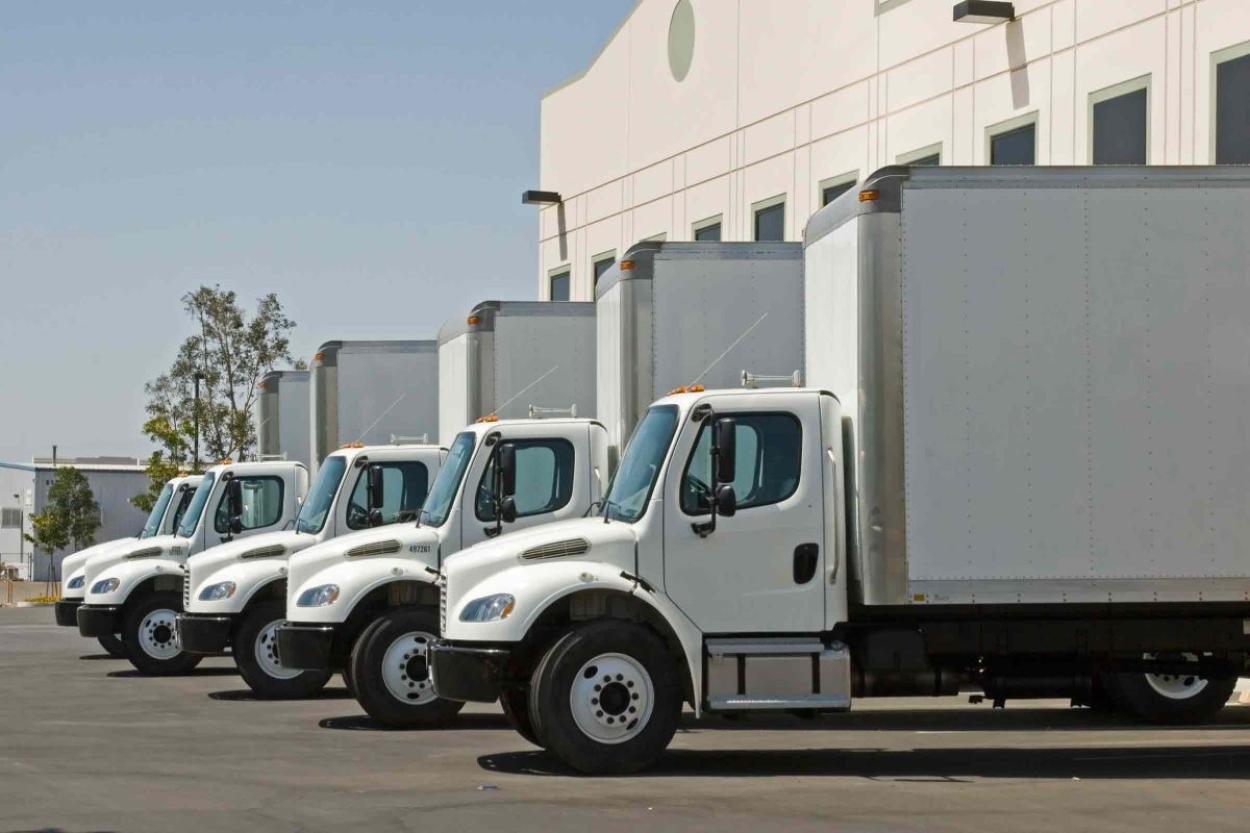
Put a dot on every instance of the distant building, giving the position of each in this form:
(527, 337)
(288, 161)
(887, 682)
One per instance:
(24, 491)
(712, 120)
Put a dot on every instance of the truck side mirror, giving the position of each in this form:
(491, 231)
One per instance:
(725, 445)
(507, 509)
(507, 470)
(377, 494)
(726, 500)
(234, 504)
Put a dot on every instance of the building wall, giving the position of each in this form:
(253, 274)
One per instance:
(782, 96)
(16, 479)
(113, 490)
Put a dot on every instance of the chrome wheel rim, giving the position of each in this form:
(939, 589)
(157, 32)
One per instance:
(1177, 686)
(406, 669)
(611, 698)
(267, 653)
(158, 636)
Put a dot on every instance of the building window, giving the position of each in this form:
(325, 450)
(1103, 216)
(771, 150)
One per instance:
(834, 187)
(1118, 130)
(10, 518)
(770, 219)
(601, 264)
(559, 280)
(1232, 106)
(1014, 142)
(931, 155)
(707, 231)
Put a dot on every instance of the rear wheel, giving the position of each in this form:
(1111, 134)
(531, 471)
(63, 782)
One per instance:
(150, 638)
(256, 655)
(606, 698)
(1171, 698)
(390, 667)
(113, 645)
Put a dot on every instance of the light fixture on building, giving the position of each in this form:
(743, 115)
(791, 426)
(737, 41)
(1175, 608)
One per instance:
(540, 198)
(984, 11)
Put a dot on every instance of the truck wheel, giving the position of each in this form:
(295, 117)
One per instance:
(256, 655)
(112, 645)
(391, 671)
(516, 708)
(608, 698)
(150, 639)
(1172, 698)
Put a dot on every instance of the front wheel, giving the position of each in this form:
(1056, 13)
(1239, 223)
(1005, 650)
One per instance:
(112, 645)
(256, 655)
(391, 674)
(606, 698)
(150, 638)
(1171, 698)
(516, 708)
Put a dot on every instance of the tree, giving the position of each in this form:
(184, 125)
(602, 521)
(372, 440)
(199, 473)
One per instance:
(230, 352)
(71, 515)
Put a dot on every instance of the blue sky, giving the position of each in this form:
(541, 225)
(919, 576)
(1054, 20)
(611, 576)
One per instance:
(363, 160)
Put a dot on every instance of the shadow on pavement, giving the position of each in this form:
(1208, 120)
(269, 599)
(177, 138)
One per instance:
(199, 672)
(246, 694)
(101, 656)
(364, 723)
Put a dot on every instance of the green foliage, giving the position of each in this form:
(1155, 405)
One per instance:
(71, 516)
(230, 352)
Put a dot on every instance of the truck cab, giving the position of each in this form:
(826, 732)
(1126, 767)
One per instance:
(162, 520)
(236, 592)
(137, 591)
(367, 603)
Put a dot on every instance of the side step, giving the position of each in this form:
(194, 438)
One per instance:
(782, 674)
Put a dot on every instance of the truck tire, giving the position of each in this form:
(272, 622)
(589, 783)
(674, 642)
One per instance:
(608, 697)
(150, 638)
(516, 707)
(1171, 698)
(112, 645)
(391, 671)
(256, 655)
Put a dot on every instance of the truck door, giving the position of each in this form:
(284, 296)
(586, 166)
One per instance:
(546, 468)
(760, 570)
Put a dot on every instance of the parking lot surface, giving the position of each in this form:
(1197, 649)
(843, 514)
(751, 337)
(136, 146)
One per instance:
(87, 745)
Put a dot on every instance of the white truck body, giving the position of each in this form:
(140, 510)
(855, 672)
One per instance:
(282, 415)
(660, 322)
(373, 392)
(1022, 471)
(505, 357)
(119, 583)
(230, 585)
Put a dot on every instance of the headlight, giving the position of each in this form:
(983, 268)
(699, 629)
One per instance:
(325, 594)
(488, 608)
(76, 582)
(108, 585)
(217, 592)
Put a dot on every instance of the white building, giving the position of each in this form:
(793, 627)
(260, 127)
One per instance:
(739, 118)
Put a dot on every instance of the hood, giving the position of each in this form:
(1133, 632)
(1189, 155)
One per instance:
(584, 539)
(270, 545)
(158, 546)
(304, 565)
(74, 565)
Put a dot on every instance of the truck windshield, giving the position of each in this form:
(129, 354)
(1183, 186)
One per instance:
(316, 508)
(631, 488)
(192, 518)
(153, 525)
(447, 483)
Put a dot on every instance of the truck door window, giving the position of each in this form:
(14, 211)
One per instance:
(544, 479)
(262, 504)
(404, 487)
(769, 462)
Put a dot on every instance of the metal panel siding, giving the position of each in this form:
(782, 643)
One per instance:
(453, 388)
(266, 418)
(610, 360)
(324, 416)
(1076, 390)
(387, 393)
(548, 361)
(293, 419)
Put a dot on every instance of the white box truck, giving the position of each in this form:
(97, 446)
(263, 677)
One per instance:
(514, 360)
(1024, 469)
(164, 518)
(373, 392)
(661, 322)
(137, 591)
(282, 416)
(236, 592)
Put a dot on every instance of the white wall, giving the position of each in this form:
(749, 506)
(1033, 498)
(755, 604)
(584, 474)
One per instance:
(16, 479)
(784, 94)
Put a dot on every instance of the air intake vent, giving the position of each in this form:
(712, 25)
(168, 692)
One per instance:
(146, 552)
(265, 552)
(186, 586)
(377, 548)
(558, 549)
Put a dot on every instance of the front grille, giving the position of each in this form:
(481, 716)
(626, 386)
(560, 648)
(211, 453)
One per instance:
(186, 586)
(442, 606)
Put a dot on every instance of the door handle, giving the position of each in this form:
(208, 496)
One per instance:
(805, 559)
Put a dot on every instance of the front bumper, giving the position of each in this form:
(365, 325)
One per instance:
(306, 646)
(471, 673)
(199, 634)
(98, 620)
(67, 612)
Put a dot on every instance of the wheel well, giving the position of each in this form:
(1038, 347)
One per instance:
(163, 583)
(390, 595)
(596, 605)
(275, 589)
